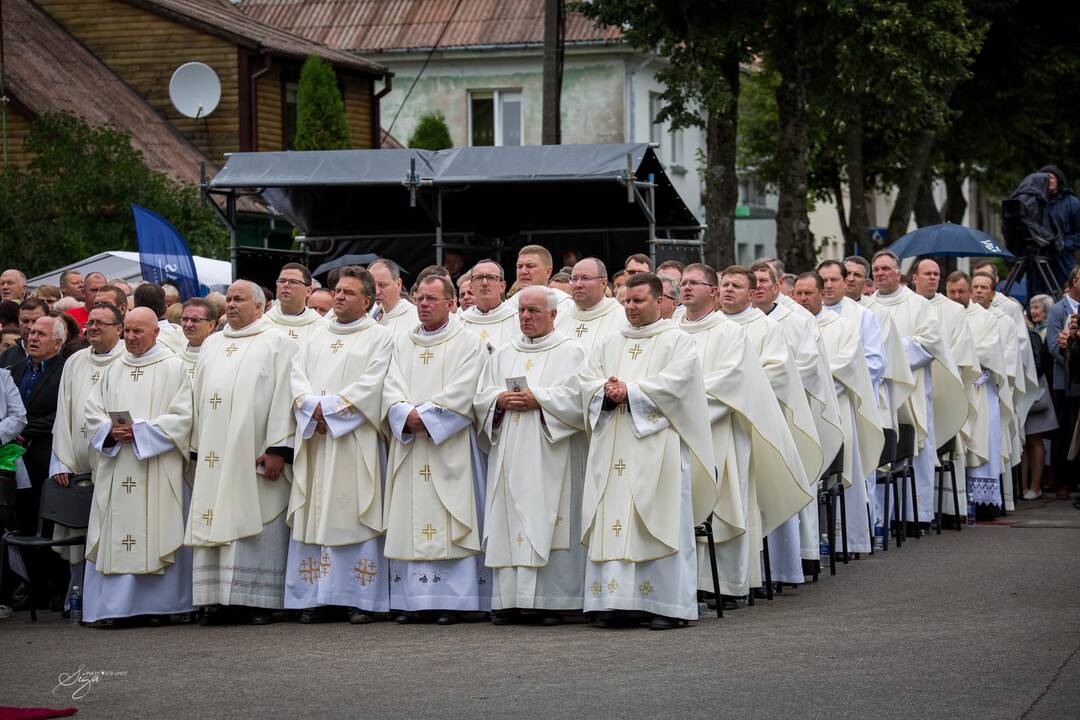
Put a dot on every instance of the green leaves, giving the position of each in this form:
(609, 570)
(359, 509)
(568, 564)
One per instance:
(73, 198)
(431, 133)
(321, 122)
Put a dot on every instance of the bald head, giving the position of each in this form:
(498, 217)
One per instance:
(140, 330)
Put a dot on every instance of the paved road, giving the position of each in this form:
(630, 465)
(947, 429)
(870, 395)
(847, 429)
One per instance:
(982, 624)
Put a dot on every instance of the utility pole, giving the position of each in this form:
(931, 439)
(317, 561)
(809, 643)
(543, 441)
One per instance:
(554, 47)
(3, 95)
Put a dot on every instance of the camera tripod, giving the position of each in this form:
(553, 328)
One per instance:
(1037, 268)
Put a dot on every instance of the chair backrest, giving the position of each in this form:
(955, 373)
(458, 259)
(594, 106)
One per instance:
(68, 506)
(837, 466)
(948, 448)
(905, 442)
(888, 450)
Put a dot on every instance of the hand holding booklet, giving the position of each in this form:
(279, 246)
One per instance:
(120, 417)
(517, 384)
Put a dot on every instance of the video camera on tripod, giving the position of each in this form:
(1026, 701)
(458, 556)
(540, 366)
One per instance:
(1032, 236)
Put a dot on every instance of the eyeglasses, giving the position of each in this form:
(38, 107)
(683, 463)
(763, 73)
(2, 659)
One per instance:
(189, 319)
(98, 323)
(694, 283)
(289, 281)
(431, 299)
(486, 278)
(584, 278)
(672, 298)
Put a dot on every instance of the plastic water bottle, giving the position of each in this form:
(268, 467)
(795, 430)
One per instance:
(825, 554)
(879, 536)
(75, 605)
(970, 513)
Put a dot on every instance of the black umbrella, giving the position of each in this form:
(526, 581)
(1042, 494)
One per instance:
(345, 260)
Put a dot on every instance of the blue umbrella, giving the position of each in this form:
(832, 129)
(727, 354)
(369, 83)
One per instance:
(948, 239)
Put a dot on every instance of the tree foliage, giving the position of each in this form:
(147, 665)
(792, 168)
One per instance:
(321, 123)
(431, 133)
(73, 198)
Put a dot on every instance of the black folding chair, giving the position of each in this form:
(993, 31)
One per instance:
(905, 455)
(946, 464)
(889, 480)
(705, 530)
(828, 494)
(67, 506)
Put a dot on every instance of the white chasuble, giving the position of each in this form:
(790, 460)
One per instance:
(1028, 379)
(189, 356)
(756, 456)
(137, 517)
(496, 327)
(532, 518)
(899, 380)
(337, 477)
(863, 436)
(1011, 429)
(240, 405)
(401, 319)
(336, 507)
(650, 475)
(71, 452)
(298, 327)
(994, 373)
(434, 480)
(589, 327)
(171, 336)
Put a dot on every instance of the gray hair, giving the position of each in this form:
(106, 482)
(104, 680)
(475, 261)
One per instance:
(59, 332)
(675, 293)
(550, 298)
(392, 267)
(1043, 301)
(601, 269)
(257, 293)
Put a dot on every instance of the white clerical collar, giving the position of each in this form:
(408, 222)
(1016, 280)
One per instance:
(282, 312)
(193, 349)
(153, 349)
(537, 340)
(890, 296)
(489, 312)
(838, 307)
(769, 311)
(748, 311)
(594, 307)
(424, 332)
(821, 314)
(687, 319)
(164, 324)
(112, 351)
(354, 323)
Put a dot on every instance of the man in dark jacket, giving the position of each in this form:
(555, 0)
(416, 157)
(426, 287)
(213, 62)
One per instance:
(30, 310)
(1064, 208)
(38, 381)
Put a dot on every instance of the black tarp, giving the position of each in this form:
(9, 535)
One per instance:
(561, 196)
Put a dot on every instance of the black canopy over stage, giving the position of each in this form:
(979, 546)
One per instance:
(411, 205)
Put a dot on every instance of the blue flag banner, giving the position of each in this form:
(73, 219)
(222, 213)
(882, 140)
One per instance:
(163, 253)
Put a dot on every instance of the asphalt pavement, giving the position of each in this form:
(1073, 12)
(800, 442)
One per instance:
(984, 623)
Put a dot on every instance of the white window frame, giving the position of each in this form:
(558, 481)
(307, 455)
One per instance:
(498, 96)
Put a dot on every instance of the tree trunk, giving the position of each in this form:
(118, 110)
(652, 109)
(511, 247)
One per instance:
(794, 244)
(926, 209)
(841, 213)
(554, 30)
(955, 202)
(721, 183)
(908, 188)
(859, 222)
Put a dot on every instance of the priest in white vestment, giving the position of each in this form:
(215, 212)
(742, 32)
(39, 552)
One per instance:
(533, 269)
(490, 319)
(290, 312)
(235, 418)
(198, 322)
(71, 452)
(756, 456)
(1030, 383)
(336, 506)
(983, 451)
(393, 311)
(926, 279)
(136, 564)
(863, 436)
(536, 465)
(807, 350)
(594, 316)
(651, 474)
(435, 471)
(938, 407)
(766, 337)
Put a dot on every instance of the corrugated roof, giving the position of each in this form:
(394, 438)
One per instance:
(224, 20)
(383, 25)
(48, 70)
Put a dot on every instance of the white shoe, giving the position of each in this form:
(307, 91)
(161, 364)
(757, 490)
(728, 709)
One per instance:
(1031, 495)
(5, 612)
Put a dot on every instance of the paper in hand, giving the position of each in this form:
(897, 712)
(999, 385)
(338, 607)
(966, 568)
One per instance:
(517, 384)
(120, 417)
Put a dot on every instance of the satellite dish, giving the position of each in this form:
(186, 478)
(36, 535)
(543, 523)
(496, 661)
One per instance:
(195, 89)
